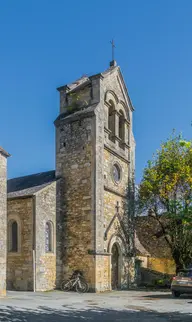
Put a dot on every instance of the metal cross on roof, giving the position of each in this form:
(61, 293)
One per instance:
(113, 46)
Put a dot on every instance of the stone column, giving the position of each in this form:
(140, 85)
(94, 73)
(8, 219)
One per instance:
(127, 132)
(3, 220)
(116, 124)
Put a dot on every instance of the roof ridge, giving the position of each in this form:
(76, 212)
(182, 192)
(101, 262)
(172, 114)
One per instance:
(28, 185)
(30, 175)
(71, 86)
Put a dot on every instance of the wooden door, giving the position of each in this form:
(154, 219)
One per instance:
(114, 267)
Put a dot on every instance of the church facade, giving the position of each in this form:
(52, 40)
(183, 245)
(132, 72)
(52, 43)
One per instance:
(80, 215)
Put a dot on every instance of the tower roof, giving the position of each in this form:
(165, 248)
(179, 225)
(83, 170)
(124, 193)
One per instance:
(85, 80)
(4, 153)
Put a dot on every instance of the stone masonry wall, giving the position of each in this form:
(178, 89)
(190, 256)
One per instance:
(121, 187)
(110, 200)
(103, 273)
(112, 153)
(101, 282)
(3, 223)
(114, 193)
(75, 210)
(45, 262)
(20, 264)
(117, 192)
(84, 156)
(82, 97)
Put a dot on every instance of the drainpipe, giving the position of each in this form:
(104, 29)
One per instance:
(34, 243)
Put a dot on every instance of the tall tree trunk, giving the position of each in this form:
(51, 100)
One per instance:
(176, 258)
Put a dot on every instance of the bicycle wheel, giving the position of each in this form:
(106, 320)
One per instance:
(66, 286)
(87, 289)
(82, 287)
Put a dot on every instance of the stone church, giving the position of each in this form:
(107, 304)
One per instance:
(78, 216)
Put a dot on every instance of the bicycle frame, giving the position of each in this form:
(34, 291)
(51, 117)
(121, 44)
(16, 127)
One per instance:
(74, 281)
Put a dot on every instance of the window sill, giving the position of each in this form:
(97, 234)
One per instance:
(107, 130)
(127, 145)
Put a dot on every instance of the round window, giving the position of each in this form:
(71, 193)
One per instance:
(116, 173)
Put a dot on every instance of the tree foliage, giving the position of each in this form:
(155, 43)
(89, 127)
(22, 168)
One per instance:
(166, 194)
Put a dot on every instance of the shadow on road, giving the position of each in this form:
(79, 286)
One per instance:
(9, 314)
(167, 296)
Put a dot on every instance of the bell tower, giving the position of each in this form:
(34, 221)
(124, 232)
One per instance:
(94, 161)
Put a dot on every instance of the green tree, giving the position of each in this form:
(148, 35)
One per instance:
(165, 193)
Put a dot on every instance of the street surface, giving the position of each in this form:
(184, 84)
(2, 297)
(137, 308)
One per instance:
(118, 306)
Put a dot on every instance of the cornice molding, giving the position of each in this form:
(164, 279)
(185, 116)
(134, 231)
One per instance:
(115, 192)
(106, 147)
(95, 253)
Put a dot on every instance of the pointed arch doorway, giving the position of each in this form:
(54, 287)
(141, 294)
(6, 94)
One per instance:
(116, 248)
(115, 267)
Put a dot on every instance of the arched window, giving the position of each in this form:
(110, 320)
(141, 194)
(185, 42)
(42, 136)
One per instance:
(116, 173)
(121, 126)
(111, 120)
(48, 237)
(13, 236)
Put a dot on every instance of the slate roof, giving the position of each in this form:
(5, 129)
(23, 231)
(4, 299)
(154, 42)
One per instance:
(29, 185)
(140, 249)
(85, 80)
(150, 238)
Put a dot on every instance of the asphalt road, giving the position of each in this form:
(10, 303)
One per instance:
(132, 306)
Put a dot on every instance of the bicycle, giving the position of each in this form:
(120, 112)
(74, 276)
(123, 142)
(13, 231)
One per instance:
(76, 282)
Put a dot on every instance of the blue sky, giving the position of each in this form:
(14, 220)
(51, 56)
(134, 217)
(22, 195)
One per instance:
(45, 44)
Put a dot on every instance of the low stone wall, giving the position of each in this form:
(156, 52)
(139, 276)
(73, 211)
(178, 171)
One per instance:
(162, 265)
(155, 271)
(151, 278)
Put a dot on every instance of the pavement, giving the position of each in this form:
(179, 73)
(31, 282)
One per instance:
(118, 306)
